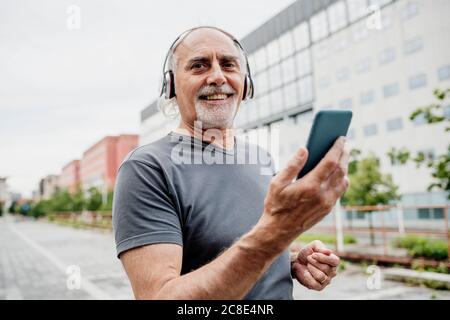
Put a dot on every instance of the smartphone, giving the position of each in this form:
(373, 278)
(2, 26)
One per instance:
(327, 127)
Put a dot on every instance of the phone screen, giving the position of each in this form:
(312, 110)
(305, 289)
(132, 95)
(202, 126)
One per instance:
(328, 126)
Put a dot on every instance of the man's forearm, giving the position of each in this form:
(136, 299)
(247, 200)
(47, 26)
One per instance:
(232, 274)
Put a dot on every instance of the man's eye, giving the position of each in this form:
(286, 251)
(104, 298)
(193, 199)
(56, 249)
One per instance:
(228, 65)
(197, 66)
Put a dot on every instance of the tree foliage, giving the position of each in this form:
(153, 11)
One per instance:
(440, 164)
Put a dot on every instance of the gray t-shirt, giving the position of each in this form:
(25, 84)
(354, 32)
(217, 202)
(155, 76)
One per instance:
(165, 193)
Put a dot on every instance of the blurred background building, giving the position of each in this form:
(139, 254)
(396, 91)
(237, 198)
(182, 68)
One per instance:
(380, 58)
(100, 162)
(48, 186)
(70, 176)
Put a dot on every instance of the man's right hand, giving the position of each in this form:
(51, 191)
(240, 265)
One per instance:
(292, 207)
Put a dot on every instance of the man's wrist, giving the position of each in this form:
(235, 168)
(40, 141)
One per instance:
(265, 241)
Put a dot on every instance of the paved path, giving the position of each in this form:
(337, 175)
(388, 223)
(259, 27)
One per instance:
(39, 260)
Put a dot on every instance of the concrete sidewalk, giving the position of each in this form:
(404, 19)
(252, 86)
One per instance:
(40, 260)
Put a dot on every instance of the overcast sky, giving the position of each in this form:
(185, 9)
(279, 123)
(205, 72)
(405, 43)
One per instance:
(62, 89)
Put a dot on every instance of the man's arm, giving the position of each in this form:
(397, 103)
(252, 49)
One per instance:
(154, 270)
(290, 208)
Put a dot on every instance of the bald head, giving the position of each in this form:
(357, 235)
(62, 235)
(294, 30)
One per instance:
(202, 37)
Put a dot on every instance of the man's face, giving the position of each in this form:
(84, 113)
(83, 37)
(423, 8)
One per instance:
(209, 79)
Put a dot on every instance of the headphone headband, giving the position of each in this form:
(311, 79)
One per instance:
(168, 85)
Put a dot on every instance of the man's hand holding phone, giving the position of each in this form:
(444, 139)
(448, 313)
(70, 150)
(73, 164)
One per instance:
(293, 206)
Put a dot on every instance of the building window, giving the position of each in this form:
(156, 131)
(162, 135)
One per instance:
(276, 101)
(275, 76)
(260, 59)
(356, 9)
(244, 111)
(288, 69)
(370, 130)
(444, 73)
(438, 213)
(424, 213)
(252, 109)
(303, 60)
(387, 56)
(346, 103)
(410, 10)
(367, 97)
(363, 65)
(286, 44)
(447, 112)
(264, 107)
(291, 95)
(304, 117)
(261, 83)
(306, 90)
(324, 82)
(391, 90)
(343, 74)
(417, 81)
(273, 52)
(413, 45)
(301, 36)
(394, 124)
(337, 16)
(319, 26)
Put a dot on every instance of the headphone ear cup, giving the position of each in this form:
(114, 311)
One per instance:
(248, 88)
(245, 91)
(169, 85)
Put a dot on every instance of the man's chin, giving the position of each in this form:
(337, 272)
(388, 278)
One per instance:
(215, 117)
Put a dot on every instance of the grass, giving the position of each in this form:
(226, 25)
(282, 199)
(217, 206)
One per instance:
(325, 238)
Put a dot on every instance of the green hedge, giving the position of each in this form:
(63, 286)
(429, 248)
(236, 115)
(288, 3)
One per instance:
(325, 238)
(421, 247)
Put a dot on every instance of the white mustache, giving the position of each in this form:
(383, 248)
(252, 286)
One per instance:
(210, 90)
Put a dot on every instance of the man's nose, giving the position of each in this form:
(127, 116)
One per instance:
(216, 76)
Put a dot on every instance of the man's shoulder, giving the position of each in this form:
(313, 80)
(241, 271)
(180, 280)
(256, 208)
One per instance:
(152, 154)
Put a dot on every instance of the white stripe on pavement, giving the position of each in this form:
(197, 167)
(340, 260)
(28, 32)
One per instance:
(93, 290)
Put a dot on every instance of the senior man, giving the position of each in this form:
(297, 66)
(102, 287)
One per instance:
(213, 230)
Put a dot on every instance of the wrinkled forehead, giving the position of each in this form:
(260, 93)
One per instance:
(205, 42)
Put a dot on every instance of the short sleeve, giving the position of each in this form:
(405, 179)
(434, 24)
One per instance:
(143, 211)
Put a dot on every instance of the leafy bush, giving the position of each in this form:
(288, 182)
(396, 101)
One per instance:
(423, 247)
(95, 200)
(40, 209)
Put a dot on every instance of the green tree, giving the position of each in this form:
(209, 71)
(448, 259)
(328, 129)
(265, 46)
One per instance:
(109, 202)
(94, 201)
(13, 208)
(61, 201)
(440, 164)
(40, 208)
(368, 186)
(78, 200)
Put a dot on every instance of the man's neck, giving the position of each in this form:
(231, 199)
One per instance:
(224, 140)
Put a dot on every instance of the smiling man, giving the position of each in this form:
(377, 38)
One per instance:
(189, 230)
